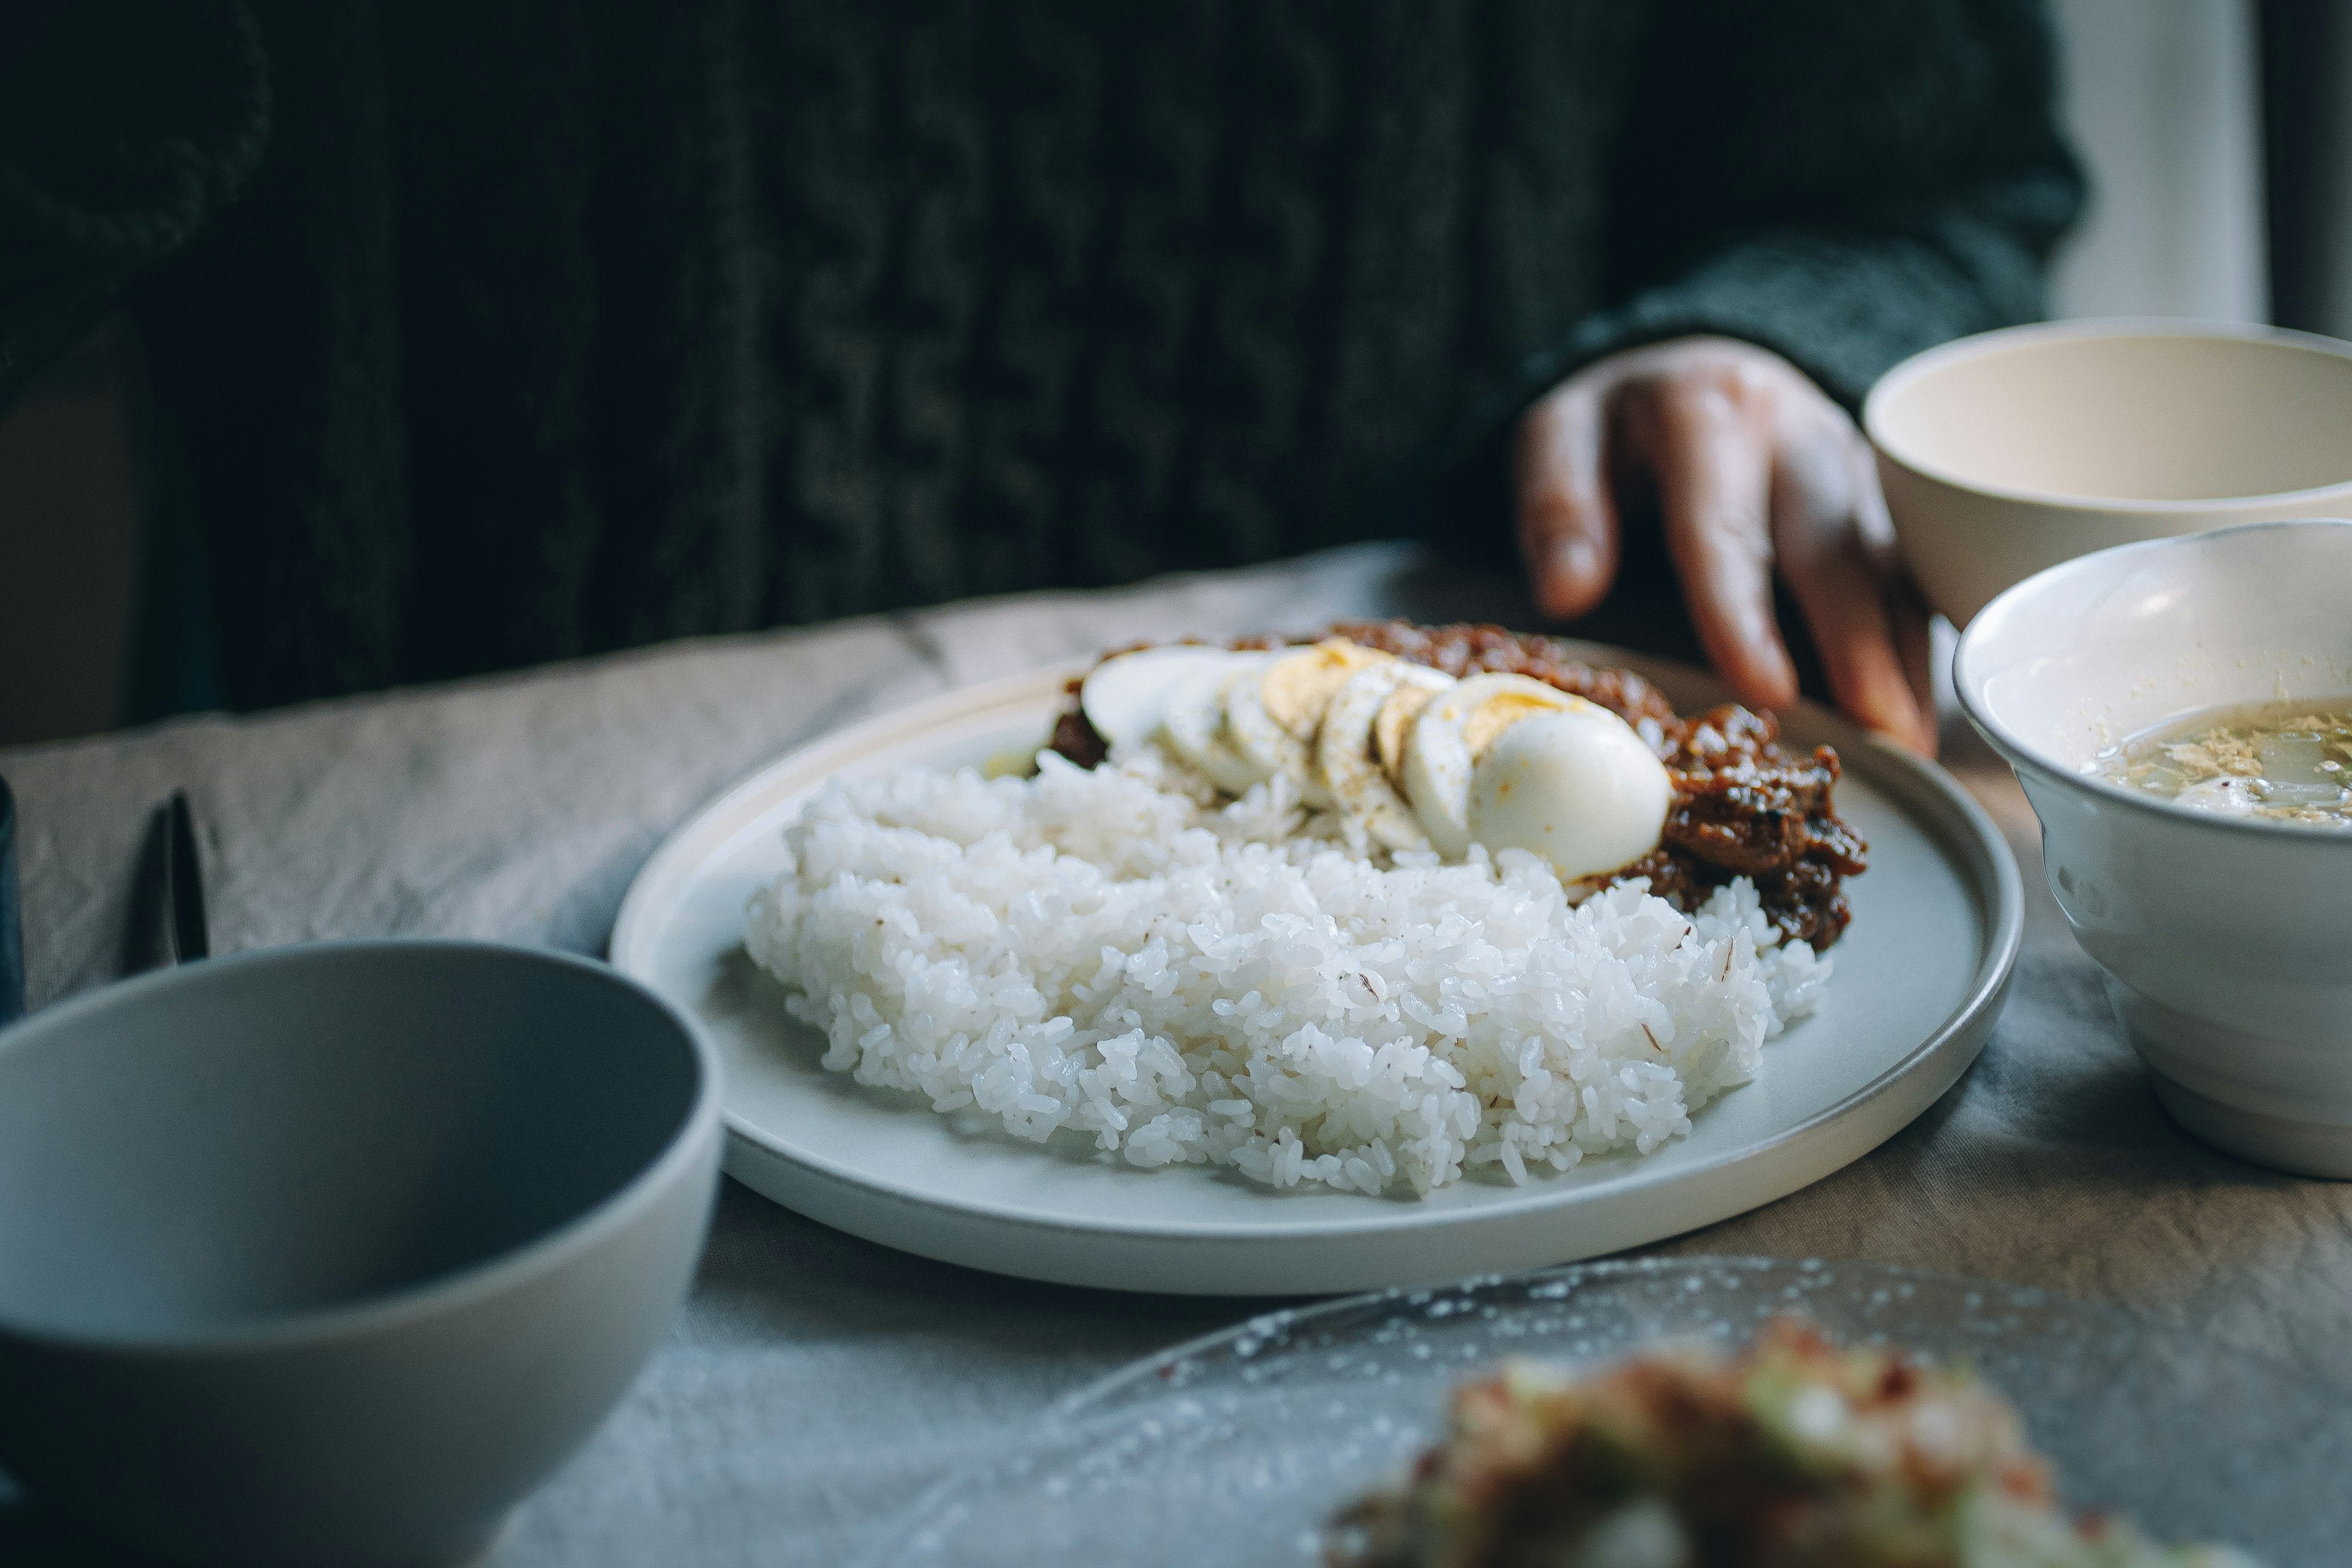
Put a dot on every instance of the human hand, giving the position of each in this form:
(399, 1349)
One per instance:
(1755, 469)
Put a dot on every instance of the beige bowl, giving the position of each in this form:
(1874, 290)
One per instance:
(2011, 451)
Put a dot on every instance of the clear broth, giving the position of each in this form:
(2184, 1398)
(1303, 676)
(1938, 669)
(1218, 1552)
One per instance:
(2278, 761)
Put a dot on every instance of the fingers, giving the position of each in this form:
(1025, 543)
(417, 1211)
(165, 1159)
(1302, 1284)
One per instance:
(1567, 518)
(1914, 643)
(1834, 555)
(1912, 620)
(1754, 470)
(1711, 459)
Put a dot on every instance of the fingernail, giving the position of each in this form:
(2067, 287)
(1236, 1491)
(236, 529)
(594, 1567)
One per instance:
(1772, 661)
(1907, 726)
(1576, 560)
(1910, 738)
(1911, 725)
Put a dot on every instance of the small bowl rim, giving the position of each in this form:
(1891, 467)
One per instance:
(2020, 755)
(439, 1294)
(1980, 344)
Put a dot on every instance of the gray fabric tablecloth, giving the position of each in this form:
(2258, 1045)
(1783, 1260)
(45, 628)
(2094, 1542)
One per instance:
(815, 1383)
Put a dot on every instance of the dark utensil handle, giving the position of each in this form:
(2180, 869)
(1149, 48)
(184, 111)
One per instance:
(191, 931)
(12, 926)
(167, 901)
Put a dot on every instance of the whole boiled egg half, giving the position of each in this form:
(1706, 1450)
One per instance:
(1513, 763)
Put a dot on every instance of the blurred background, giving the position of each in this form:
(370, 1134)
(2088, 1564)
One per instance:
(2216, 133)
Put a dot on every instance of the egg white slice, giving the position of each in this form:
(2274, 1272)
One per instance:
(1301, 684)
(1264, 744)
(1578, 787)
(1393, 728)
(1273, 722)
(1452, 732)
(1126, 697)
(1349, 761)
(1194, 722)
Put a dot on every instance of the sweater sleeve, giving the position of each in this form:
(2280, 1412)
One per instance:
(123, 125)
(1843, 182)
(1845, 305)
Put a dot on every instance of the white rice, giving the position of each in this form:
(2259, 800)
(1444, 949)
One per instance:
(1111, 955)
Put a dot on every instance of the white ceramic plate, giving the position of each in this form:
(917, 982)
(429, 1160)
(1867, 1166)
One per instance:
(1920, 976)
(1236, 1449)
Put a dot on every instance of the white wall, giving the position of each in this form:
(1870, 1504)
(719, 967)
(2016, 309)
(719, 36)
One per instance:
(2161, 99)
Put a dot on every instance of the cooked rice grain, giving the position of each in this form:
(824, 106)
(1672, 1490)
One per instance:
(1107, 953)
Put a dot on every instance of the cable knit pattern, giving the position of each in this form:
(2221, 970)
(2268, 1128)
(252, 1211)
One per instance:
(550, 326)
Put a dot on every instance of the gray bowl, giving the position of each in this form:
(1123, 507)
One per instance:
(329, 1254)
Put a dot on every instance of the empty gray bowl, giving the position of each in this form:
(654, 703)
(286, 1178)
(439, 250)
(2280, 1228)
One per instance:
(328, 1254)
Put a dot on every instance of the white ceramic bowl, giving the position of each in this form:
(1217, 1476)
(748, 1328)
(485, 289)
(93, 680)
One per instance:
(2227, 943)
(2008, 452)
(326, 1255)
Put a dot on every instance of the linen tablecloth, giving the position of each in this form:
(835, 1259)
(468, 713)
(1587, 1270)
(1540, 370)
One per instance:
(815, 1384)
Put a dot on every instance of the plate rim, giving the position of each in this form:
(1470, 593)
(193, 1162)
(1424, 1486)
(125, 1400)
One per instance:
(1947, 815)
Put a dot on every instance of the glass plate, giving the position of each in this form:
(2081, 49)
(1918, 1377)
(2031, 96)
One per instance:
(1235, 1449)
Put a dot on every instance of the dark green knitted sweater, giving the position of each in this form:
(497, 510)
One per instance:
(548, 326)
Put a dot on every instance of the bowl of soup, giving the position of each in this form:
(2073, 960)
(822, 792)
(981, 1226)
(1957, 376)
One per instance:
(2011, 451)
(2179, 713)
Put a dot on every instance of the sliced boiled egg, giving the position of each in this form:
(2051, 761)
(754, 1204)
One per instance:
(1393, 726)
(1194, 720)
(1300, 685)
(1576, 786)
(1347, 759)
(1449, 735)
(1272, 723)
(1126, 697)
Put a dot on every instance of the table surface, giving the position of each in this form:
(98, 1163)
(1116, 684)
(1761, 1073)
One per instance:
(815, 1384)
